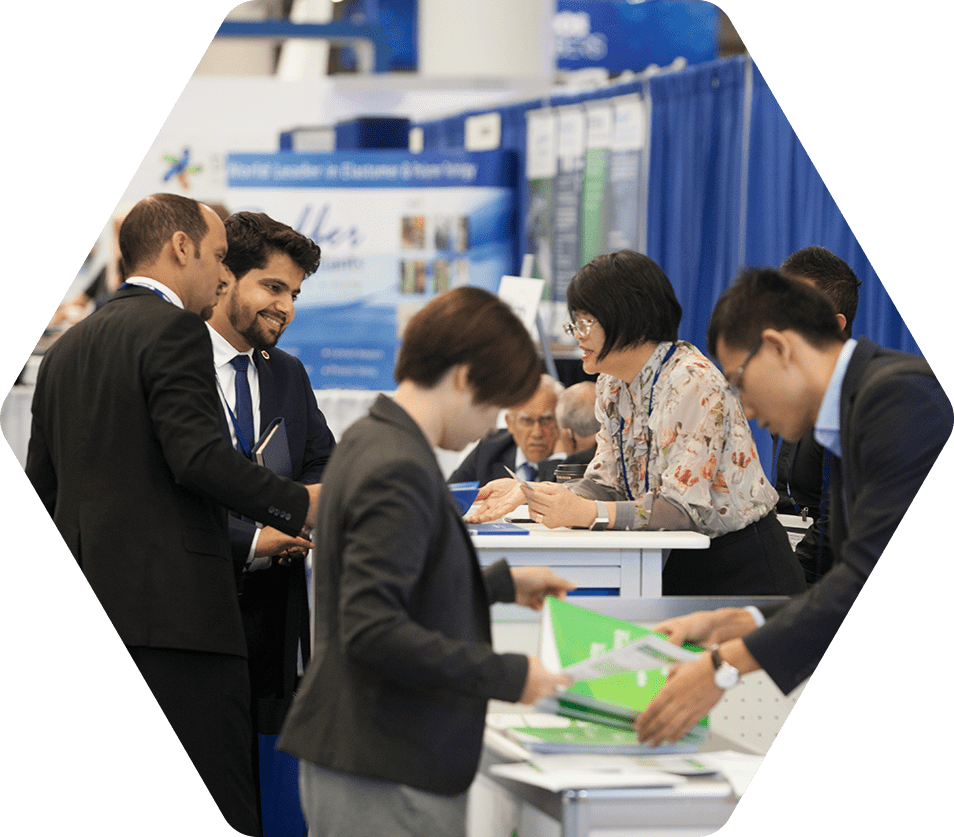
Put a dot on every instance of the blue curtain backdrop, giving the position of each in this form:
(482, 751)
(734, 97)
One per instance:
(695, 177)
(729, 185)
(789, 207)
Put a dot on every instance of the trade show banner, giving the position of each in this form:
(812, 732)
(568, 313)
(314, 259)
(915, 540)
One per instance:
(395, 229)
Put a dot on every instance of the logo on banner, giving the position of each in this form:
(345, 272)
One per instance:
(179, 168)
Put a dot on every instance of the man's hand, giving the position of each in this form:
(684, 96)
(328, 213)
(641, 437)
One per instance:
(494, 500)
(690, 692)
(553, 505)
(708, 627)
(534, 584)
(312, 516)
(274, 544)
(540, 683)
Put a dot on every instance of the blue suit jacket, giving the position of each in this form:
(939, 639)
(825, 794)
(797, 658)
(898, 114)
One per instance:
(274, 601)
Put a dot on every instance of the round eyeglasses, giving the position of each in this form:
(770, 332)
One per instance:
(578, 329)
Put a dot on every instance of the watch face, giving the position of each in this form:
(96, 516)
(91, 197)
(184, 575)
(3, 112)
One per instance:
(726, 676)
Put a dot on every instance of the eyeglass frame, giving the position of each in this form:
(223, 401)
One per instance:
(547, 421)
(573, 330)
(735, 379)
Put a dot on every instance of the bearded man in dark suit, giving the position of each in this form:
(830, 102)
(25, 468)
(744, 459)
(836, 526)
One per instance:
(269, 261)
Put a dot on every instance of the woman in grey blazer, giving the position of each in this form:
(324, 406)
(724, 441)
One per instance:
(389, 718)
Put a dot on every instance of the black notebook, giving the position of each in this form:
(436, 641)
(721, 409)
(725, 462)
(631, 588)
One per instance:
(271, 450)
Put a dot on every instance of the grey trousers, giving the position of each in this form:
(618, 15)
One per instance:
(342, 805)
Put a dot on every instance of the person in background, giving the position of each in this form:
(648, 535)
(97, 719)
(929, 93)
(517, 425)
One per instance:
(388, 721)
(785, 351)
(526, 447)
(126, 453)
(576, 418)
(802, 469)
(269, 261)
(674, 450)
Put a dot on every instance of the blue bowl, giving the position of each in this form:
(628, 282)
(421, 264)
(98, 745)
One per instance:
(464, 493)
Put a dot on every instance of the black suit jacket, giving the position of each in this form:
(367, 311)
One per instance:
(884, 461)
(491, 457)
(274, 600)
(402, 665)
(126, 453)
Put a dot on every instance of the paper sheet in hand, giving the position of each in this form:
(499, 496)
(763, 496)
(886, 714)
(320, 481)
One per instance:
(271, 450)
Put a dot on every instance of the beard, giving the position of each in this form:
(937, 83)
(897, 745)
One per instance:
(255, 332)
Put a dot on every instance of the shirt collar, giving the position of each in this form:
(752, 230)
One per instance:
(164, 291)
(828, 422)
(223, 351)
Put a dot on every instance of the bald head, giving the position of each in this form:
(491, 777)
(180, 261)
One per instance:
(576, 415)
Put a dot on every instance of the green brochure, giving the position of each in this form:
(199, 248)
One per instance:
(618, 666)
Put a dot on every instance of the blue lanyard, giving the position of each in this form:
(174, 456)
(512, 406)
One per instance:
(239, 435)
(649, 431)
(156, 291)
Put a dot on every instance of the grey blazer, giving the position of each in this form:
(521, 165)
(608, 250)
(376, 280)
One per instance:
(402, 664)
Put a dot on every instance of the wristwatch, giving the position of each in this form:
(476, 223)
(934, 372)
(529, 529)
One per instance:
(602, 517)
(726, 676)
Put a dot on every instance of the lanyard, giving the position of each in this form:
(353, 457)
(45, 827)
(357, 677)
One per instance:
(649, 432)
(239, 435)
(156, 291)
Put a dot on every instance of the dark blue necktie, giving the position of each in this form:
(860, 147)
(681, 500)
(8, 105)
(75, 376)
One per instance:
(244, 423)
(530, 471)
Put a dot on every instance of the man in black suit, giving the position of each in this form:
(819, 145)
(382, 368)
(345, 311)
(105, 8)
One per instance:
(269, 261)
(126, 453)
(525, 447)
(784, 351)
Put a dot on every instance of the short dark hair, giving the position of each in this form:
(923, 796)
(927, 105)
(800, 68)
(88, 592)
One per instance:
(630, 297)
(254, 237)
(152, 222)
(762, 298)
(830, 274)
(468, 325)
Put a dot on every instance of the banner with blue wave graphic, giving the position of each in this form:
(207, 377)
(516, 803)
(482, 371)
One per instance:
(395, 229)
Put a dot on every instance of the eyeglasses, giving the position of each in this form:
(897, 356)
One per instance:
(578, 329)
(735, 379)
(526, 422)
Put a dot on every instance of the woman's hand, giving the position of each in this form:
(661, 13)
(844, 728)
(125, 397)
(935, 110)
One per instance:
(534, 584)
(494, 500)
(541, 683)
(553, 505)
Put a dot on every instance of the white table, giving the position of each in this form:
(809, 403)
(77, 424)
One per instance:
(630, 562)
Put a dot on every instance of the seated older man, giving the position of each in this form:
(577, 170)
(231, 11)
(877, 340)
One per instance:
(526, 446)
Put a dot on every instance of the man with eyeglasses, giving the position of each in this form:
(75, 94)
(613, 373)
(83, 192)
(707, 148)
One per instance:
(527, 445)
(783, 349)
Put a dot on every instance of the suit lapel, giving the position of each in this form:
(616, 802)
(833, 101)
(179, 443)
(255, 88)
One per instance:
(267, 400)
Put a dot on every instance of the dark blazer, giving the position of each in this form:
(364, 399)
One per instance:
(887, 451)
(274, 600)
(803, 474)
(126, 453)
(402, 665)
(489, 456)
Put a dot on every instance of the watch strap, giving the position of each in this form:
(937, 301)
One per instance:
(602, 517)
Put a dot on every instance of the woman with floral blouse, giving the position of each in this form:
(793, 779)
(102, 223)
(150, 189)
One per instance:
(674, 450)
